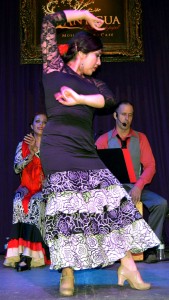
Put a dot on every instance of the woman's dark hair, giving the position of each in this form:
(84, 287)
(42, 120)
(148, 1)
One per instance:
(36, 114)
(82, 41)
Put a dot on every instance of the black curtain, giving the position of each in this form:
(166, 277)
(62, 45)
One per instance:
(145, 83)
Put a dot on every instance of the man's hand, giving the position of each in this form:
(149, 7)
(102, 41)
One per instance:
(135, 194)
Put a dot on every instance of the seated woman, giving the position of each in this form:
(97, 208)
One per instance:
(26, 247)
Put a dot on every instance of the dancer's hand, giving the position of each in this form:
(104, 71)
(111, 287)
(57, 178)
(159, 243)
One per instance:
(94, 21)
(67, 96)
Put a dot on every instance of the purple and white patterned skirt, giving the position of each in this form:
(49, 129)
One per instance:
(91, 220)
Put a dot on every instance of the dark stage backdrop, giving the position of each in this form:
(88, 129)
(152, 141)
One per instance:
(145, 83)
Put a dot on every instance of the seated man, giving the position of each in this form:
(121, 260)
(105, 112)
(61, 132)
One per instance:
(140, 164)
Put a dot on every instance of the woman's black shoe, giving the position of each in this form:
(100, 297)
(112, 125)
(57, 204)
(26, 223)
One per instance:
(26, 266)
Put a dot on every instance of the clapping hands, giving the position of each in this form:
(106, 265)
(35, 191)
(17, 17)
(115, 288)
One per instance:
(30, 140)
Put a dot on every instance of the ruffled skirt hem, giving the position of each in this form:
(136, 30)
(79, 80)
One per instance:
(35, 250)
(79, 251)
